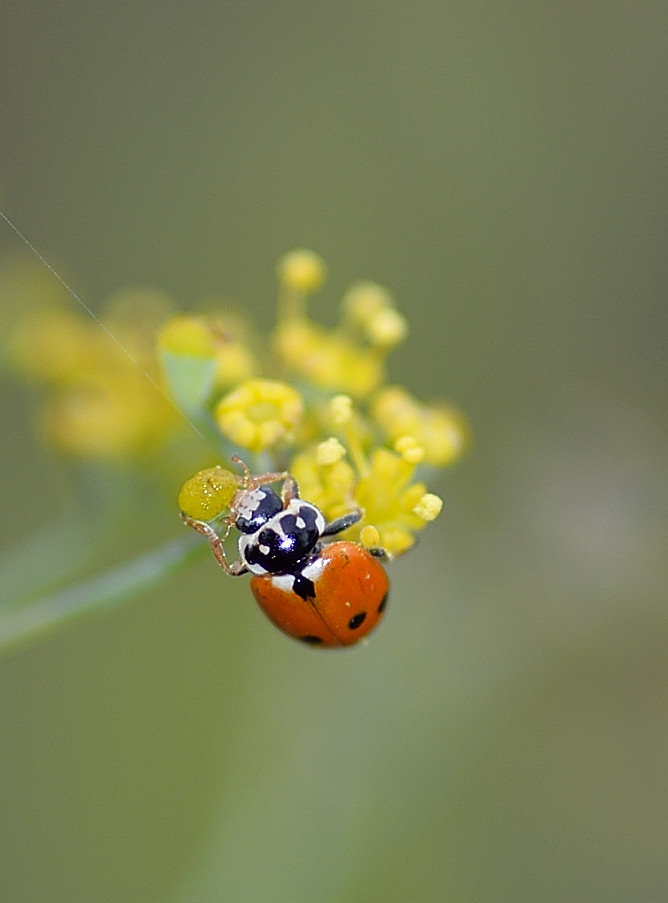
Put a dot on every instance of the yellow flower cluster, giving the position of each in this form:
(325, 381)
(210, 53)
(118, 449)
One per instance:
(305, 398)
(95, 398)
(320, 409)
(347, 359)
(339, 474)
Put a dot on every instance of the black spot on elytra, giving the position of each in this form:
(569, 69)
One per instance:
(357, 620)
(304, 587)
(383, 604)
(311, 639)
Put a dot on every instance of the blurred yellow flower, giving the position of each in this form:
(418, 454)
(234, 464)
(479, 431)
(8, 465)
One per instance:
(328, 360)
(301, 270)
(441, 431)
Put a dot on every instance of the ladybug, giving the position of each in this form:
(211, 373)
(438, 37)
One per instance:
(323, 594)
(334, 598)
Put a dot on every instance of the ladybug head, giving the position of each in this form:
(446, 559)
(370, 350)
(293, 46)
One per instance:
(252, 508)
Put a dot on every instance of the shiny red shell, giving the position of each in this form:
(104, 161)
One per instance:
(351, 589)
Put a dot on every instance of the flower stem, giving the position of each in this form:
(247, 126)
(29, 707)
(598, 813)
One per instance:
(39, 617)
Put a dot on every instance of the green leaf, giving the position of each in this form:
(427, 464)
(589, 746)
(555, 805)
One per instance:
(189, 379)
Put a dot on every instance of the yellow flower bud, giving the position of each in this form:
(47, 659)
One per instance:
(387, 328)
(429, 507)
(302, 270)
(341, 408)
(409, 449)
(329, 452)
(370, 537)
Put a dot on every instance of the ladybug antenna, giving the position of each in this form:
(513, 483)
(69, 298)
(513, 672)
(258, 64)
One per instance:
(248, 481)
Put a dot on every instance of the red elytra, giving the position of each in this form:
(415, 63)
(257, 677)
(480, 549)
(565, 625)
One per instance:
(351, 589)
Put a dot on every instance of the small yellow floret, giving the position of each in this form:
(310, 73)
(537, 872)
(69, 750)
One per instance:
(329, 452)
(429, 507)
(208, 493)
(409, 449)
(364, 300)
(387, 328)
(441, 431)
(370, 309)
(396, 539)
(207, 339)
(341, 409)
(389, 500)
(328, 360)
(329, 486)
(302, 270)
(259, 413)
(370, 537)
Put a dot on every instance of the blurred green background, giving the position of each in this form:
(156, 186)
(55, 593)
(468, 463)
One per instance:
(502, 168)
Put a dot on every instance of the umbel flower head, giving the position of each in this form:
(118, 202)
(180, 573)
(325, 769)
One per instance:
(318, 406)
(303, 398)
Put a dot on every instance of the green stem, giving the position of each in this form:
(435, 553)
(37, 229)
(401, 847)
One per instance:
(48, 614)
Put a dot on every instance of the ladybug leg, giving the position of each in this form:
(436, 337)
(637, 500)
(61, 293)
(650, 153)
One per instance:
(216, 543)
(380, 553)
(290, 489)
(248, 481)
(342, 523)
